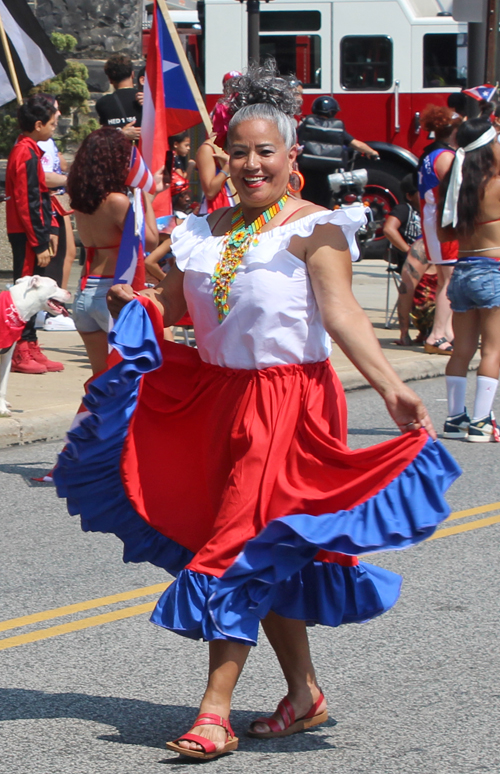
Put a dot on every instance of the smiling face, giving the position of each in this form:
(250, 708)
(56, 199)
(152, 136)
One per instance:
(260, 163)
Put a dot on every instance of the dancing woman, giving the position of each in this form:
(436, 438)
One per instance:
(264, 522)
(472, 214)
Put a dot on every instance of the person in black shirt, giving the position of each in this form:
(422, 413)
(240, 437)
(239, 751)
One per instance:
(324, 142)
(123, 108)
(403, 226)
(180, 147)
(404, 231)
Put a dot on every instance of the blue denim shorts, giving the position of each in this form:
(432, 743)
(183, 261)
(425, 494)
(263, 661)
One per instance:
(90, 311)
(475, 284)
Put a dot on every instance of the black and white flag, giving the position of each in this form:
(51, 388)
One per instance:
(35, 58)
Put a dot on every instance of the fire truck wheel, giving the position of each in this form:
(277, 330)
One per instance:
(381, 194)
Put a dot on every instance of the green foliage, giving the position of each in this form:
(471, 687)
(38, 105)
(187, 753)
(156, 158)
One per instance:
(9, 129)
(63, 43)
(77, 134)
(74, 94)
(74, 69)
(69, 87)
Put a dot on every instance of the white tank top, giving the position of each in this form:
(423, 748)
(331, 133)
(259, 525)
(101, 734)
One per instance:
(274, 318)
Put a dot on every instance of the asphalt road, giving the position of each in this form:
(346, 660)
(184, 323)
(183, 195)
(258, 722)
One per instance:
(413, 692)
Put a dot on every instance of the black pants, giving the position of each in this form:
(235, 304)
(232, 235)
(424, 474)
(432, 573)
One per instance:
(24, 262)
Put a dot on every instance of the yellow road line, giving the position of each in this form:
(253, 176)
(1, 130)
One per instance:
(474, 511)
(75, 626)
(58, 612)
(469, 525)
(129, 612)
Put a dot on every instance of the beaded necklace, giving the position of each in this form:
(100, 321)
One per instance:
(235, 244)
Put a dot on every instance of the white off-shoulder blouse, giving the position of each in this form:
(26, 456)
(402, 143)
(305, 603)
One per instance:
(274, 318)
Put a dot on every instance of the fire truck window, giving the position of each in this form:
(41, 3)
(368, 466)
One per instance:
(290, 21)
(445, 60)
(298, 55)
(366, 62)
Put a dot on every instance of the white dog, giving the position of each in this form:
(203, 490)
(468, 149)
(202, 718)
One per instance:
(26, 298)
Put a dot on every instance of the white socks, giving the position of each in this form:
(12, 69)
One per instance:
(485, 395)
(455, 387)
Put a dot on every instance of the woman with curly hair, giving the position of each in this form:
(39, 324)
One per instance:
(471, 213)
(433, 165)
(98, 194)
(265, 506)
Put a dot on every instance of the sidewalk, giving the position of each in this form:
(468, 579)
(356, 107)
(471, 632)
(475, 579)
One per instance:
(43, 406)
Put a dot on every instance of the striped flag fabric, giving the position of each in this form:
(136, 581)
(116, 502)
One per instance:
(172, 100)
(486, 91)
(130, 262)
(139, 175)
(35, 58)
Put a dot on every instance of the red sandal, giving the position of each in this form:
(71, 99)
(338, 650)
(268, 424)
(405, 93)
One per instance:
(290, 723)
(210, 750)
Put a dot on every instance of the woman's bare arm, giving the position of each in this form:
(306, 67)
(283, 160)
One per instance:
(391, 226)
(156, 255)
(329, 265)
(152, 237)
(211, 180)
(168, 297)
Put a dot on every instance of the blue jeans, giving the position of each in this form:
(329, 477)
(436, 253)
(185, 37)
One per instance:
(90, 311)
(475, 284)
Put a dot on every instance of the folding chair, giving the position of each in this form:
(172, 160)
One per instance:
(187, 332)
(393, 276)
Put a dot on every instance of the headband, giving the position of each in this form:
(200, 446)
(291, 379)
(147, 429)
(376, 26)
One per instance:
(451, 201)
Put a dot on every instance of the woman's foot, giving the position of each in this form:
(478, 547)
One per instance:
(403, 341)
(440, 347)
(215, 734)
(301, 704)
(210, 736)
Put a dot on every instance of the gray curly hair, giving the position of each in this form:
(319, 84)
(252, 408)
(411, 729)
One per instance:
(262, 93)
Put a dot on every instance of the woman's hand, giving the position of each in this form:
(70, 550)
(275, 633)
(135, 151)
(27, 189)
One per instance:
(117, 297)
(220, 155)
(159, 179)
(408, 411)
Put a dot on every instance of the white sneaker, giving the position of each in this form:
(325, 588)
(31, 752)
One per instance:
(59, 323)
(484, 430)
(40, 319)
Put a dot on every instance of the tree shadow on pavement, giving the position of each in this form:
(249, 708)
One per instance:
(138, 722)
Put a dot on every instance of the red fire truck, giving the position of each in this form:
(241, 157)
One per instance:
(383, 60)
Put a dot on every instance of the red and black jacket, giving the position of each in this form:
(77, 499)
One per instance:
(28, 206)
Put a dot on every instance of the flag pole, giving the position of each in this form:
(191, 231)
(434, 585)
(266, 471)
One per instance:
(10, 63)
(186, 66)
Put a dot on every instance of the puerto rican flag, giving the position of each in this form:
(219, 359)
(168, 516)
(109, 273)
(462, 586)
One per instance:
(172, 100)
(486, 91)
(139, 175)
(130, 262)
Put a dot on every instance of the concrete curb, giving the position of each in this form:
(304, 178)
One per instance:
(52, 425)
(43, 425)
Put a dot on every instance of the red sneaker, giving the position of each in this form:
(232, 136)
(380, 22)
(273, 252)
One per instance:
(38, 356)
(23, 363)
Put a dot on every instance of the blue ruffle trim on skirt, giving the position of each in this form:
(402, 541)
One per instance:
(88, 469)
(276, 570)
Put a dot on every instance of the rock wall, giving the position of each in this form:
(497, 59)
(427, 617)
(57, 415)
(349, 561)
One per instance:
(102, 27)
